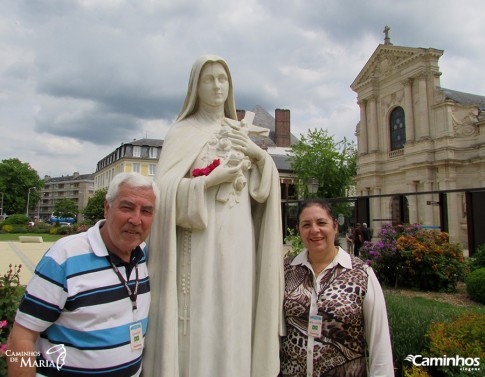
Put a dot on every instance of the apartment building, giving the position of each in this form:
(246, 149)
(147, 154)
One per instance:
(77, 187)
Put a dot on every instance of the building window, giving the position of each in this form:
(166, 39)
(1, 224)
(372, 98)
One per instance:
(136, 151)
(136, 167)
(398, 128)
(153, 152)
(152, 168)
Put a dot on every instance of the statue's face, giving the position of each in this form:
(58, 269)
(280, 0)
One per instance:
(213, 86)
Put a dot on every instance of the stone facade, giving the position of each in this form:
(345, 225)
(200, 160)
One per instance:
(415, 136)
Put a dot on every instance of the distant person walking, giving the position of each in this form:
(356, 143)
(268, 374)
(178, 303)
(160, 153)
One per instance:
(349, 237)
(365, 232)
(358, 239)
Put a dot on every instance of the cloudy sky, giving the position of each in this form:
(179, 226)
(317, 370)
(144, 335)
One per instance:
(80, 77)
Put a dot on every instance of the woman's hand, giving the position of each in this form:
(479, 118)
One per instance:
(222, 174)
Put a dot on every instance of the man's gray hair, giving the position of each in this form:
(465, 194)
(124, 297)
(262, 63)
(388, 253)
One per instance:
(131, 179)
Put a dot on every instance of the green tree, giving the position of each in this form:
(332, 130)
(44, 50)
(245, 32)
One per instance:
(332, 163)
(16, 178)
(94, 210)
(65, 208)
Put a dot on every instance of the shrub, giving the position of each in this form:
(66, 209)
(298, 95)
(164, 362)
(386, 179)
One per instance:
(65, 230)
(17, 228)
(16, 219)
(463, 337)
(414, 371)
(478, 259)
(7, 228)
(81, 228)
(475, 285)
(3, 346)
(413, 257)
(10, 294)
(294, 240)
(40, 228)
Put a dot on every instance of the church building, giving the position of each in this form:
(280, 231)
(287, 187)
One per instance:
(416, 139)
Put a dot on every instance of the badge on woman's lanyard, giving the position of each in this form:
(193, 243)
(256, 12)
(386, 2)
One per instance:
(315, 322)
(315, 326)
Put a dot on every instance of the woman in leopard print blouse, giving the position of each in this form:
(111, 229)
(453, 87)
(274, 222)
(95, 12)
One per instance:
(334, 307)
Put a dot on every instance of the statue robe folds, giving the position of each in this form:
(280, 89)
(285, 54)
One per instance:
(215, 268)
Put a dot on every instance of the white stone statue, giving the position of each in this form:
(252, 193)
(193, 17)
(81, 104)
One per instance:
(215, 259)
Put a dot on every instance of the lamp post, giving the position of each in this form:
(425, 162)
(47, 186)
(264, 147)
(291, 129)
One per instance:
(28, 199)
(312, 185)
(1, 208)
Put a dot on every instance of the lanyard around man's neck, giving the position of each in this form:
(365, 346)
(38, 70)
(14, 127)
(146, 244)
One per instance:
(131, 294)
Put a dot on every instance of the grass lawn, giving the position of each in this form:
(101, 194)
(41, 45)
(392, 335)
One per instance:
(411, 313)
(15, 236)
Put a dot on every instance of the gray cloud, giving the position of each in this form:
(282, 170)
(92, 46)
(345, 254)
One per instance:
(80, 77)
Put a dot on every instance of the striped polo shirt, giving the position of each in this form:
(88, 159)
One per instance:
(82, 310)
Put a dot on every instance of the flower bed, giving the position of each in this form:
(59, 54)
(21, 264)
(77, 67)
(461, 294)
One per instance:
(408, 256)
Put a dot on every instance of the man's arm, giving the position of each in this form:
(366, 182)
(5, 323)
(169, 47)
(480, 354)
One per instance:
(20, 340)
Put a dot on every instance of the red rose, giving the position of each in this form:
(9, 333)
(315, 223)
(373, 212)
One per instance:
(207, 170)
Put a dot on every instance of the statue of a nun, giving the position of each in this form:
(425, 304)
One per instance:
(215, 263)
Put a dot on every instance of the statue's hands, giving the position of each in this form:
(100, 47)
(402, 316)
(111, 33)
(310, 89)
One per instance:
(222, 174)
(242, 143)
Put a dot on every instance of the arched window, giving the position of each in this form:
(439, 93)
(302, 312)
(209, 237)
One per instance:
(397, 126)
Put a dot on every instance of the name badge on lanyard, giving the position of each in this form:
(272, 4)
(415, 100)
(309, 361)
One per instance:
(315, 326)
(136, 336)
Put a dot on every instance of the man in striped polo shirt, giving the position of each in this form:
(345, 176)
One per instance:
(85, 311)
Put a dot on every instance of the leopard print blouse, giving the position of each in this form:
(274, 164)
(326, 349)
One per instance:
(340, 350)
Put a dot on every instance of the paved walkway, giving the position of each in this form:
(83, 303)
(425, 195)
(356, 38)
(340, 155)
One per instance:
(26, 254)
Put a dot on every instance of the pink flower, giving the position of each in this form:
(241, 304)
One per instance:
(3, 324)
(3, 349)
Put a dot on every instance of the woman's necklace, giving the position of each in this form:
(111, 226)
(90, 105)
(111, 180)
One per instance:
(317, 269)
